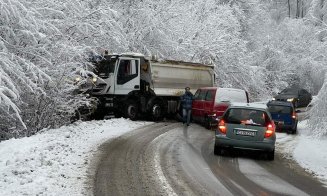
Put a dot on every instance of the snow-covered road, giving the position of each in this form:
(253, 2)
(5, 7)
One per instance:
(172, 159)
(58, 161)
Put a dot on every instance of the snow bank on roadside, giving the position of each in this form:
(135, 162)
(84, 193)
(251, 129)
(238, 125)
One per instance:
(55, 162)
(308, 151)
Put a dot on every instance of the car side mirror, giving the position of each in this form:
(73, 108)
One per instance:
(298, 111)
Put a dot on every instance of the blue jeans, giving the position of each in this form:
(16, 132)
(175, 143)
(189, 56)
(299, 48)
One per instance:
(186, 116)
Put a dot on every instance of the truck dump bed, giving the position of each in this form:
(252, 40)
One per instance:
(171, 77)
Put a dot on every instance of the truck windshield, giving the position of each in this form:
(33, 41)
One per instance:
(104, 67)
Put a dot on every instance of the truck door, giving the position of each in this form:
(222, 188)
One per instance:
(127, 75)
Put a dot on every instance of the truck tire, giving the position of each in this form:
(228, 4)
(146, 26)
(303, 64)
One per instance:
(157, 111)
(131, 110)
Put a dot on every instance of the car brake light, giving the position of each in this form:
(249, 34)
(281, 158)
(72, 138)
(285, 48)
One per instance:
(270, 130)
(294, 115)
(222, 126)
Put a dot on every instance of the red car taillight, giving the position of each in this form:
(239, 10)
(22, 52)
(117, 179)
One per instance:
(222, 126)
(294, 116)
(220, 108)
(270, 130)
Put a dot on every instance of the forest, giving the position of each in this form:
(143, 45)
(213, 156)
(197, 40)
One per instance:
(261, 46)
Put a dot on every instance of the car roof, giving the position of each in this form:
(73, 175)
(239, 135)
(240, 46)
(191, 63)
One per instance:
(256, 106)
(208, 88)
(225, 89)
(280, 103)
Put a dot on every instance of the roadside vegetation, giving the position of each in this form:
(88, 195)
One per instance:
(261, 46)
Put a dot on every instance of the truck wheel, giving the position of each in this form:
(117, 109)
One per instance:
(157, 111)
(131, 110)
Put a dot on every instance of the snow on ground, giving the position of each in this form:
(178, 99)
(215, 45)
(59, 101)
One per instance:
(308, 151)
(55, 162)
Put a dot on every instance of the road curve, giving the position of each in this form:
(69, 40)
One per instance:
(172, 159)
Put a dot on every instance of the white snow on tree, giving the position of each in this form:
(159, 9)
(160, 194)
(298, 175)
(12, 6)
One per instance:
(253, 44)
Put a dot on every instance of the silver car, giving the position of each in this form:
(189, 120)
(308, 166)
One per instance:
(246, 126)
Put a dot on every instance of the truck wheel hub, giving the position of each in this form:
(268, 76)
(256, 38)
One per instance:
(156, 110)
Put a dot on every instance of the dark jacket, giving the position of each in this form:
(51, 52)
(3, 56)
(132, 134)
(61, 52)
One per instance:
(186, 100)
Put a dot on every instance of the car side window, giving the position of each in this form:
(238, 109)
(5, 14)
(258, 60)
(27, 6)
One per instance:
(209, 96)
(305, 92)
(202, 94)
(196, 95)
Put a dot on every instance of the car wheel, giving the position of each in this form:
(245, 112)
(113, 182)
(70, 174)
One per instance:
(294, 130)
(131, 110)
(207, 123)
(271, 155)
(217, 150)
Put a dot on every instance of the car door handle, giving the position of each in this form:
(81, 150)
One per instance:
(136, 86)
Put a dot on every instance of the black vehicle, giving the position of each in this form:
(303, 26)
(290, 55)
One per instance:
(284, 116)
(299, 97)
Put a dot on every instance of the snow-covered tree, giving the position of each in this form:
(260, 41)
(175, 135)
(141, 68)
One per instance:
(318, 115)
(253, 44)
(42, 45)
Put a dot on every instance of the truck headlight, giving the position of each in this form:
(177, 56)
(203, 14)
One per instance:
(290, 100)
(273, 99)
(94, 79)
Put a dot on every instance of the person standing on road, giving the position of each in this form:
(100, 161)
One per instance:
(186, 100)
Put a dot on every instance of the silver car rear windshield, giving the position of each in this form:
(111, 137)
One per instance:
(246, 116)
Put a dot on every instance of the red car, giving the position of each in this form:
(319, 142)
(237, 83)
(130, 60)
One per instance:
(210, 103)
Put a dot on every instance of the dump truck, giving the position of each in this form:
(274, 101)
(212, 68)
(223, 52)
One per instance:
(132, 85)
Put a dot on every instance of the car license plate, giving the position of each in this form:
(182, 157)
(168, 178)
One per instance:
(245, 133)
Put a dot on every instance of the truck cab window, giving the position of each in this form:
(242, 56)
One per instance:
(105, 67)
(128, 70)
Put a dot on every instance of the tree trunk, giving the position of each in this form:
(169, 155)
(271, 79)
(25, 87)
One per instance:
(297, 8)
(289, 8)
(302, 8)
